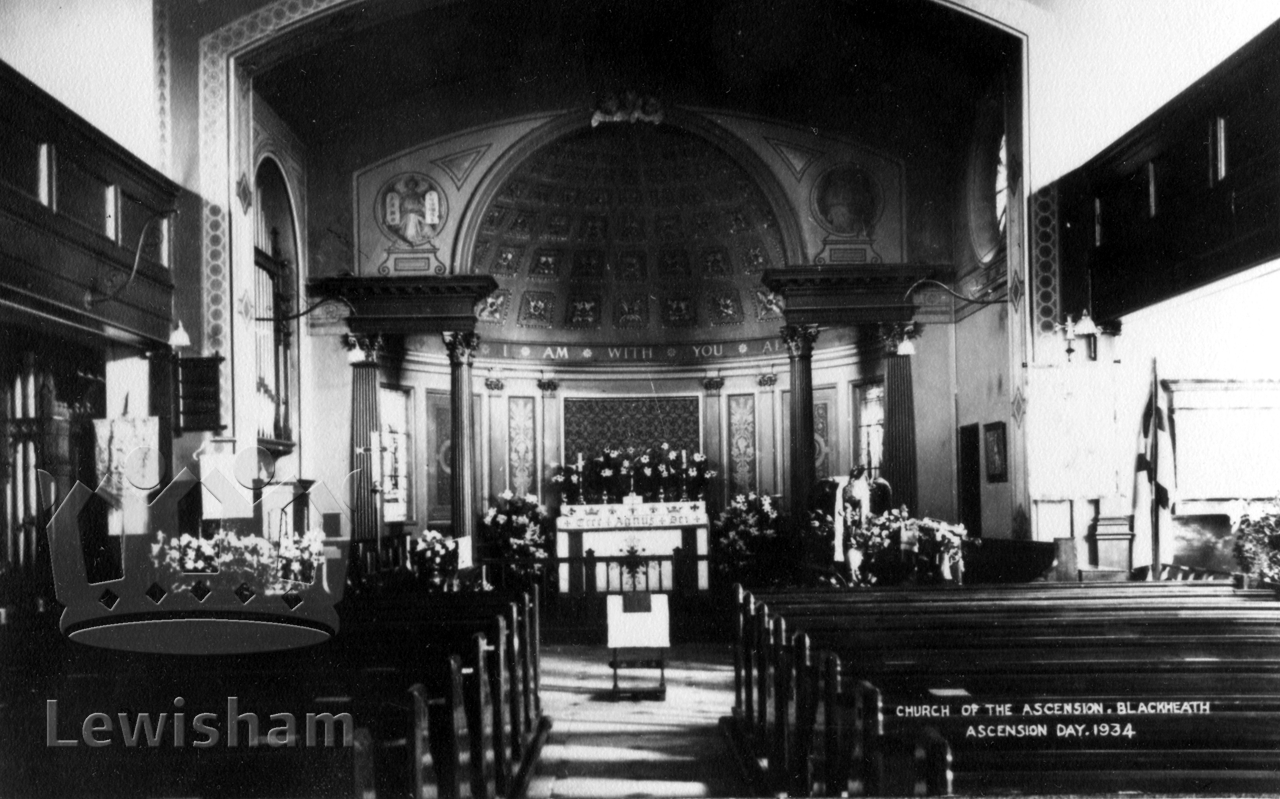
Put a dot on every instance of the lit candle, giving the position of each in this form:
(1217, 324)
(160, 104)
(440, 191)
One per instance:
(684, 458)
(579, 462)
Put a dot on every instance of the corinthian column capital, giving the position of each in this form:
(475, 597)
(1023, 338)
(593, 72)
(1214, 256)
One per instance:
(462, 347)
(363, 349)
(799, 339)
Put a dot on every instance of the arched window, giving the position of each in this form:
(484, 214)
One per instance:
(987, 182)
(275, 259)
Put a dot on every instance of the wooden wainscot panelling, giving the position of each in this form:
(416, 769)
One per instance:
(1190, 195)
(75, 207)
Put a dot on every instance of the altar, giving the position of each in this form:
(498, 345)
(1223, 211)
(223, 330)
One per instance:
(648, 529)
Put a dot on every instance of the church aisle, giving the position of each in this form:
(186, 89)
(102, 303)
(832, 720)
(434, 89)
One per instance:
(605, 748)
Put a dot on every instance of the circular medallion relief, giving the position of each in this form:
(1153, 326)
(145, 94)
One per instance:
(411, 208)
(846, 201)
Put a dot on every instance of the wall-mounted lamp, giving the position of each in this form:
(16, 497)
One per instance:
(1085, 328)
(179, 338)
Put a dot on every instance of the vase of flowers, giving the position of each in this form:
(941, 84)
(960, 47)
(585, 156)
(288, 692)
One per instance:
(940, 548)
(873, 550)
(519, 529)
(698, 475)
(299, 556)
(568, 481)
(745, 540)
(647, 479)
(434, 558)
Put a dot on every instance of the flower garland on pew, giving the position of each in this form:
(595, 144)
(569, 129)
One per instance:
(227, 559)
(658, 474)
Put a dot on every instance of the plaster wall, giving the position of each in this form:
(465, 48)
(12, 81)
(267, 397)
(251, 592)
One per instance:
(933, 379)
(983, 397)
(96, 56)
(1225, 331)
(1096, 68)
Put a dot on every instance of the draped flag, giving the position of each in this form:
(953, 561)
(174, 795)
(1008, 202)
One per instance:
(1154, 483)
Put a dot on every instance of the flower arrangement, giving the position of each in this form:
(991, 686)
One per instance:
(655, 475)
(568, 481)
(1257, 544)
(941, 543)
(745, 539)
(698, 474)
(646, 477)
(433, 555)
(608, 477)
(894, 547)
(670, 473)
(518, 528)
(230, 559)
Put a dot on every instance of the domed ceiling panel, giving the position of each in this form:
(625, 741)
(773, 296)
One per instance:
(629, 234)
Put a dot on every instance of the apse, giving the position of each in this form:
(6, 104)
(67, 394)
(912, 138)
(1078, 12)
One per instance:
(628, 235)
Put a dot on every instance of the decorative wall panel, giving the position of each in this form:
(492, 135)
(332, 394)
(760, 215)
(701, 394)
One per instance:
(822, 454)
(742, 443)
(591, 425)
(1045, 253)
(439, 457)
(825, 456)
(522, 442)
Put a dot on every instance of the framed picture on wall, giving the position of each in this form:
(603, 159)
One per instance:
(995, 452)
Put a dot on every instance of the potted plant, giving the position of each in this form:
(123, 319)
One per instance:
(1257, 544)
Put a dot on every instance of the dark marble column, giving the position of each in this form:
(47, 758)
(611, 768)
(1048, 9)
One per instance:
(899, 466)
(713, 436)
(462, 349)
(363, 355)
(799, 340)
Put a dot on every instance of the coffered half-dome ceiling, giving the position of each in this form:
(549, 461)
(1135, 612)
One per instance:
(630, 233)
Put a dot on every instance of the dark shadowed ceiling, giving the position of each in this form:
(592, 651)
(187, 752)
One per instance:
(902, 75)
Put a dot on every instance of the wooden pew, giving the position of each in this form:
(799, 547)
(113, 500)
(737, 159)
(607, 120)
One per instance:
(432, 615)
(413, 712)
(1232, 646)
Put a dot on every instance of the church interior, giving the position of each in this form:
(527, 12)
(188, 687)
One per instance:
(864, 371)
